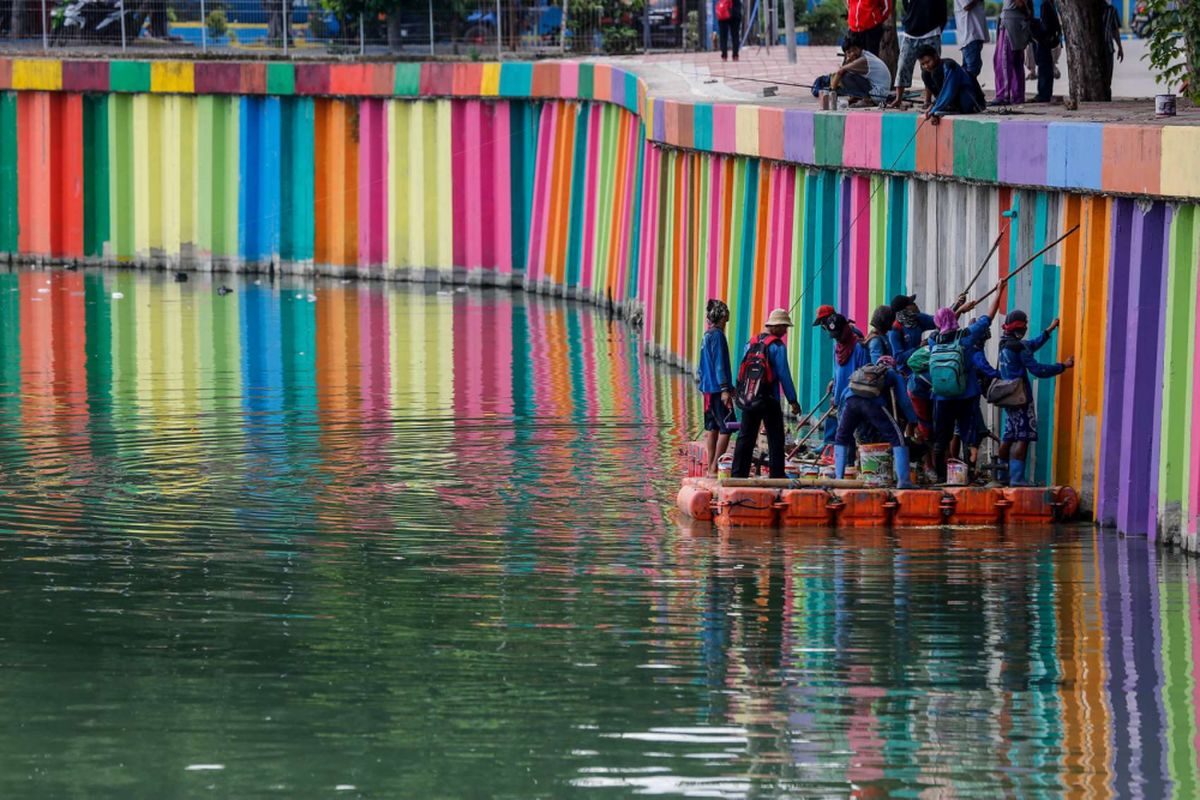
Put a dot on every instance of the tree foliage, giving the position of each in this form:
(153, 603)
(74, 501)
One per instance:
(1174, 52)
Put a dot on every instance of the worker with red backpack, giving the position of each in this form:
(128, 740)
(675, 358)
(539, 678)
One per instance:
(729, 26)
(762, 376)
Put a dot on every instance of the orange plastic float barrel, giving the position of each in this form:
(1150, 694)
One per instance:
(805, 508)
(695, 501)
(1068, 502)
(1030, 505)
(746, 506)
(973, 505)
(916, 507)
(861, 508)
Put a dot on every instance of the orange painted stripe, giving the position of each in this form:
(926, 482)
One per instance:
(33, 172)
(335, 184)
(758, 309)
(1070, 341)
(66, 153)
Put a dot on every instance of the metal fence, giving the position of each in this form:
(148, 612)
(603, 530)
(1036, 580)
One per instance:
(462, 28)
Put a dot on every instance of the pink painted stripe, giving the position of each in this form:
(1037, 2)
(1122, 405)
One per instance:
(472, 205)
(714, 247)
(503, 199)
(591, 190)
(650, 236)
(568, 79)
(860, 259)
(372, 183)
(487, 185)
(543, 173)
(458, 189)
(789, 232)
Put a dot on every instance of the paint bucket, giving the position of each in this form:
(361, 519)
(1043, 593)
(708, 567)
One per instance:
(725, 465)
(828, 471)
(792, 470)
(875, 462)
(810, 469)
(1164, 105)
(956, 472)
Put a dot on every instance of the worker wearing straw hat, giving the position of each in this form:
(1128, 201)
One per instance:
(765, 355)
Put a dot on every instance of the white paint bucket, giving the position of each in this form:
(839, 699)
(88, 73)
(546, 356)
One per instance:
(1164, 105)
(956, 472)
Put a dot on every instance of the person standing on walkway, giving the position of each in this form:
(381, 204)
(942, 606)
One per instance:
(1017, 362)
(1012, 35)
(1047, 34)
(1110, 45)
(866, 18)
(764, 375)
(923, 22)
(716, 385)
(728, 14)
(970, 18)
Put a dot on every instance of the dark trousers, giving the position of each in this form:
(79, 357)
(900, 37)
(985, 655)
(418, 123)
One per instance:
(859, 411)
(728, 29)
(1043, 56)
(872, 38)
(771, 415)
(958, 413)
(1109, 58)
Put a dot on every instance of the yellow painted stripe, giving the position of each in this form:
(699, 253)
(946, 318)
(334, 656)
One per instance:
(490, 85)
(45, 75)
(188, 179)
(398, 205)
(142, 219)
(747, 130)
(172, 76)
(1180, 173)
(416, 184)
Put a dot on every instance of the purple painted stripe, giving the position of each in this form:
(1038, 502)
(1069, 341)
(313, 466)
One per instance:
(1116, 364)
(843, 256)
(1142, 393)
(1021, 153)
(798, 136)
(660, 121)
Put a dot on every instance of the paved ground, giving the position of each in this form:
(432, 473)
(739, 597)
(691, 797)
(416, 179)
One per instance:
(705, 76)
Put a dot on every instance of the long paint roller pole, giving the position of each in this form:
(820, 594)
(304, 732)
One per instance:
(1029, 261)
(796, 448)
(986, 259)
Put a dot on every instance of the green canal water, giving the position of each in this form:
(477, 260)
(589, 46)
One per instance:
(317, 539)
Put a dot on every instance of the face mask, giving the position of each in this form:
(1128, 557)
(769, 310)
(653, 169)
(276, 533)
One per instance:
(907, 317)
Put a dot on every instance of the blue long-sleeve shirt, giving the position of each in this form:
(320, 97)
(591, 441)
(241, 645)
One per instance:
(970, 339)
(1017, 361)
(957, 92)
(982, 366)
(777, 355)
(842, 372)
(878, 347)
(714, 373)
(906, 340)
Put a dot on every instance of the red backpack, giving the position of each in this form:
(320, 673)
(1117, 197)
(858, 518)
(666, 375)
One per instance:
(756, 379)
(724, 10)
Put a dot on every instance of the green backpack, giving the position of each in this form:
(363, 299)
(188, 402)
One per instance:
(948, 368)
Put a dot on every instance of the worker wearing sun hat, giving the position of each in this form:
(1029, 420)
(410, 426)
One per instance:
(766, 412)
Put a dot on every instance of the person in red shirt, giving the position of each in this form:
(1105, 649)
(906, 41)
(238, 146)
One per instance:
(866, 18)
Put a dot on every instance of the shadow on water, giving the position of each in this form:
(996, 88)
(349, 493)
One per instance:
(411, 542)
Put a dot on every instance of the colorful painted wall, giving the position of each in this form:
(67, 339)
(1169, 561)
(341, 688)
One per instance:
(574, 178)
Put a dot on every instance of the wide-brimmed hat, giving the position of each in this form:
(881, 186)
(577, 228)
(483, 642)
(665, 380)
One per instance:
(779, 316)
(823, 313)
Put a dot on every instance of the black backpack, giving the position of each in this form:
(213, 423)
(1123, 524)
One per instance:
(756, 379)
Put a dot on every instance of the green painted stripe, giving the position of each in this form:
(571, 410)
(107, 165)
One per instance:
(1043, 307)
(297, 125)
(9, 223)
(578, 189)
(975, 148)
(95, 174)
(129, 76)
(1176, 375)
(281, 79)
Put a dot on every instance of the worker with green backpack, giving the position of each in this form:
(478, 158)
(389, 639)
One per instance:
(952, 376)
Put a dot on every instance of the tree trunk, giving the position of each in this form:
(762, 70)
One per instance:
(889, 46)
(1083, 38)
(395, 40)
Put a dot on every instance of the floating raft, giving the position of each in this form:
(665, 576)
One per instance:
(766, 502)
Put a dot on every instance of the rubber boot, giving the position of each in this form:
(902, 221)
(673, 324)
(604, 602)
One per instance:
(903, 471)
(840, 453)
(1016, 472)
(1000, 475)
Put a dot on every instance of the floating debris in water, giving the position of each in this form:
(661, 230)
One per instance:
(312, 298)
(181, 277)
(204, 767)
(224, 290)
(42, 290)
(117, 295)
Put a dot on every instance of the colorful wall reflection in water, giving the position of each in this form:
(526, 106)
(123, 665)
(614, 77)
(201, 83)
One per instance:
(418, 542)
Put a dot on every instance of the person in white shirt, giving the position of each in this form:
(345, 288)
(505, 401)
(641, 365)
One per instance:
(970, 18)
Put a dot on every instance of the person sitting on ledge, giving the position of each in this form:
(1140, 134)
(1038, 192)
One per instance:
(862, 76)
(953, 89)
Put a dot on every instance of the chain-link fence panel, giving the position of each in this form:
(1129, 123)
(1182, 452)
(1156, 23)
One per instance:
(474, 29)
